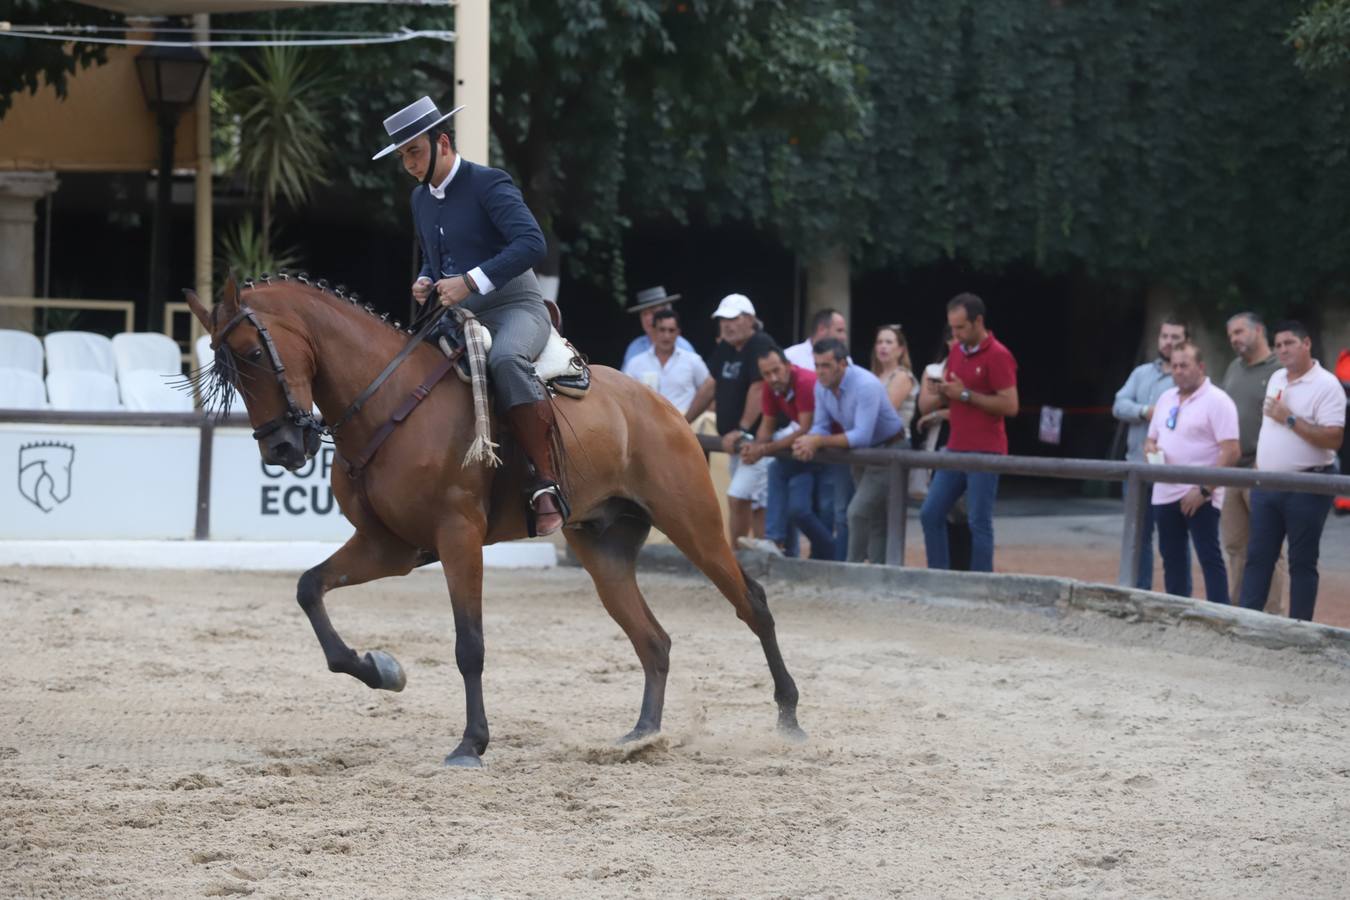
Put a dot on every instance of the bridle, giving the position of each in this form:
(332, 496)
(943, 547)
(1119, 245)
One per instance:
(312, 428)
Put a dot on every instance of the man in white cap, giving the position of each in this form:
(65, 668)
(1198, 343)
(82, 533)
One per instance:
(479, 245)
(649, 302)
(737, 387)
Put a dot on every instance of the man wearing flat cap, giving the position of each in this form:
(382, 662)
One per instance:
(649, 302)
(479, 245)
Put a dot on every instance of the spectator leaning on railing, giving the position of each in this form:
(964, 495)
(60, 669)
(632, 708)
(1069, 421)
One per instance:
(736, 388)
(1246, 381)
(980, 391)
(1303, 427)
(789, 394)
(854, 398)
(1194, 424)
(1134, 406)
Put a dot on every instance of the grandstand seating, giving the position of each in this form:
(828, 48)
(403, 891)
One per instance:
(82, 389)
(146, 364)
(21, 388)
(146, 351)
(79, 351)
(146, 391)
(21, 350)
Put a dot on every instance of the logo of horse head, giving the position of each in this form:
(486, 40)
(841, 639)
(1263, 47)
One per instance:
(44, 473)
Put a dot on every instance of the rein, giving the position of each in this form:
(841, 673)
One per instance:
(313, 428)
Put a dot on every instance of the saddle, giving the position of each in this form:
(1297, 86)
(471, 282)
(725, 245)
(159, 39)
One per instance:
(560, 366)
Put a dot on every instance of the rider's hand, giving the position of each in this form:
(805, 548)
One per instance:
(421, 289)
(451, 290)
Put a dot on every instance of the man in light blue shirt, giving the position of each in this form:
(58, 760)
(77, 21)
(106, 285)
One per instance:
(651, 301)
(1134, 406)
(852, 410)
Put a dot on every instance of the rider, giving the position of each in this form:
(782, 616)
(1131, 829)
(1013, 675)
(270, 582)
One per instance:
(479, 242)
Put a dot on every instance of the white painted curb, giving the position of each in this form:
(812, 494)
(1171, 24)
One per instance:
(254, 556)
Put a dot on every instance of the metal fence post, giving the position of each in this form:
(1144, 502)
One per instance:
(897, 514)
(1137, 498)
(203, 531)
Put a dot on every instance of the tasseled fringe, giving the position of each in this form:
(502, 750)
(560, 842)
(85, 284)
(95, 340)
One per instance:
(482, 450)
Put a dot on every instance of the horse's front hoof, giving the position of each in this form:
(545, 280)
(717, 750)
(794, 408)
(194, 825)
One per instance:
(463, 761)
(638, 734)
(790, 730)
(391, 673)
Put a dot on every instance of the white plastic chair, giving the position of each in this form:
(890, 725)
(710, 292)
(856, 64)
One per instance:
(82, 390)
(20, 350)
(21, 389)
(79, 351)
(146, 351)
(146, 391)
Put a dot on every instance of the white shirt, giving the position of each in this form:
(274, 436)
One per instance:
(485, 285)
(803, 355)
(678, 380)
(800, 355)
(1315, 397)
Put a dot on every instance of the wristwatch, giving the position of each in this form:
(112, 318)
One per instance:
(965, 396)
(1291, 421)
(1206, 493)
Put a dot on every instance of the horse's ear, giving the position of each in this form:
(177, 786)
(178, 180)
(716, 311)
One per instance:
(198, 308)
(229, 296)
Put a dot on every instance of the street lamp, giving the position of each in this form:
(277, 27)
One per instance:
(170, 77)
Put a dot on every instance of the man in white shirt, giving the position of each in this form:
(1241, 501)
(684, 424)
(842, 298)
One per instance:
(828, 323)
(1303, 428)
(671, 371)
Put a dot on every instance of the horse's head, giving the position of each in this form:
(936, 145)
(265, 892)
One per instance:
(251, 345)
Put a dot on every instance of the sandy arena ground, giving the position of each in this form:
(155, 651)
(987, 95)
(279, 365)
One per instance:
(177, 735)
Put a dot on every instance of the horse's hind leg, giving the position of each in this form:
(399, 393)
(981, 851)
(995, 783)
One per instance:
(694, 525)
(609, 553)
(359, 560)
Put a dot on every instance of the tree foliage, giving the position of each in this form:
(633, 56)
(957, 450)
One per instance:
(1149, 141)
(26, 64)
(611, 111)
(1321, 37)
(1140, 143)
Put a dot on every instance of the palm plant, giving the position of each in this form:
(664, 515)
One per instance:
(282, 149)
(245, 250)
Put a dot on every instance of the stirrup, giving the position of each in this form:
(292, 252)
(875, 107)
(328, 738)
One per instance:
(563, 507)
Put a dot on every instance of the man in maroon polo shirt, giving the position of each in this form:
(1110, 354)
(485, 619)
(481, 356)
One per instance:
(789, 408)
(981, 391)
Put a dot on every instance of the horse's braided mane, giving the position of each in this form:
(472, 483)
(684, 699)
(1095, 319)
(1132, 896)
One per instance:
(322, 287)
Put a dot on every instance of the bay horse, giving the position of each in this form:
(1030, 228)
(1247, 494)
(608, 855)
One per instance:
(629, 460)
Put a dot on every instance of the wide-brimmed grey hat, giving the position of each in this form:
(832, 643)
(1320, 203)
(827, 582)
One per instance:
(412, 121)
(652, 296)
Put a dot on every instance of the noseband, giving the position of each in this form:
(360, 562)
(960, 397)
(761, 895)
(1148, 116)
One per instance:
(311, 427)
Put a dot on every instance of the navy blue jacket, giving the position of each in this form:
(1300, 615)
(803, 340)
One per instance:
(483, 222)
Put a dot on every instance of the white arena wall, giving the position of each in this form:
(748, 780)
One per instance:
(171, 491)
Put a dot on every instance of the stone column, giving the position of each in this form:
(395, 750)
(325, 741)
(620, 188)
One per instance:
(19, 195)
(827, 286)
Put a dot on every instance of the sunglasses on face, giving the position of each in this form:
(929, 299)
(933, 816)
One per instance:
(1172, 417)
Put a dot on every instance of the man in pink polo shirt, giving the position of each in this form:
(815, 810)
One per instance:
(1302, 428)
(1194, 424)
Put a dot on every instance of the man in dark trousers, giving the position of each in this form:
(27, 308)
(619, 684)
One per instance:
(479, 243)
